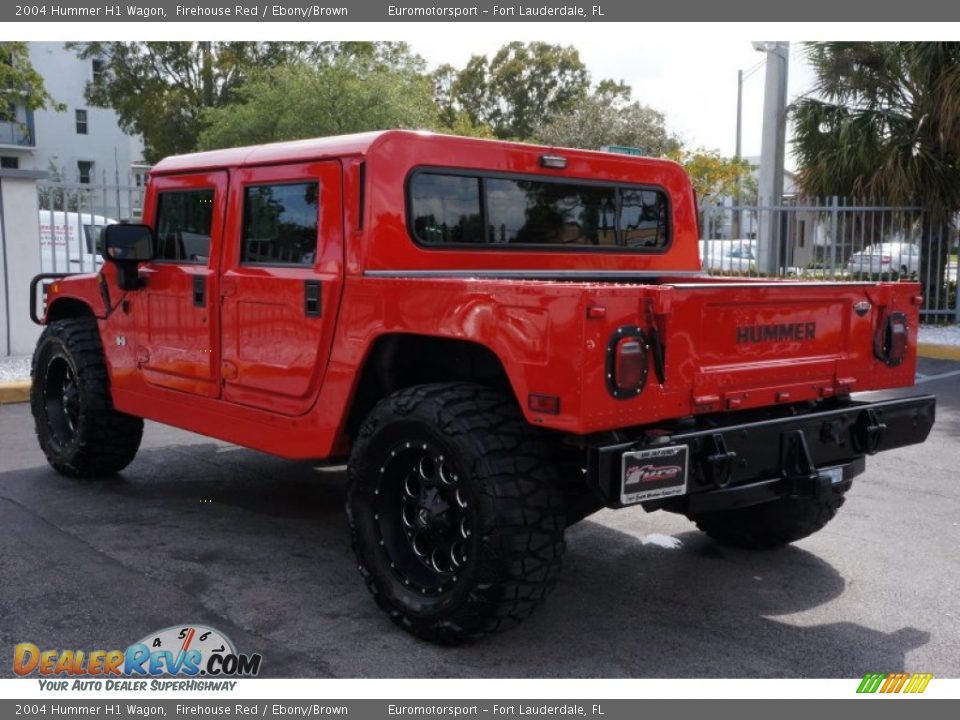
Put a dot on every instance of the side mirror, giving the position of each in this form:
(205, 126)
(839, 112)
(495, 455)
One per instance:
(126, 246)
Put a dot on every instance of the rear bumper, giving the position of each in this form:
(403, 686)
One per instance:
(743, 464)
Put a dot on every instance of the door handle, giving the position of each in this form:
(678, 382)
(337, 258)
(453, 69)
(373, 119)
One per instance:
(311, 298)
(200, 291)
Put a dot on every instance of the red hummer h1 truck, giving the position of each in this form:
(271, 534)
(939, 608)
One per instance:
(500, 338)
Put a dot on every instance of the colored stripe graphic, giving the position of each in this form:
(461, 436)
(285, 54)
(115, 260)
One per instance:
(894, 682)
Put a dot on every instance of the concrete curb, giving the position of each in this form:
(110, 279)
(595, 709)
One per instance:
(14, 392)
(939, 352)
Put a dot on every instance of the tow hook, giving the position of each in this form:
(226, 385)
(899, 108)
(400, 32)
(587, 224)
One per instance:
(797, 467)
(869, 431)
(718, 467)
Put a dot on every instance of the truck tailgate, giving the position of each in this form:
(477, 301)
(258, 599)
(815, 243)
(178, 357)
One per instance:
(754, 344)
(734, 344)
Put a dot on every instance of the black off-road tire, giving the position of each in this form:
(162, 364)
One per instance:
(772, 524)
(78, 429)
(507, 555)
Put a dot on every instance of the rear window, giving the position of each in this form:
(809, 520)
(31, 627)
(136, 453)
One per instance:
(448, 209)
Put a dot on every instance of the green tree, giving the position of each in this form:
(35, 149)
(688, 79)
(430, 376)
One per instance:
(519, 89)
(883, 122)
(608, 117)
(20, 84)
(162, 90)
(301, 100)
(714, 176)
(368, 55)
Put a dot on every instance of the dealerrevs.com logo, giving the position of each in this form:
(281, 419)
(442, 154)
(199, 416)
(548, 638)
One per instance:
(180, 651)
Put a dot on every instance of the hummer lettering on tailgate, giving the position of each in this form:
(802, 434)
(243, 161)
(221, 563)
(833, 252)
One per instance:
(777, 333)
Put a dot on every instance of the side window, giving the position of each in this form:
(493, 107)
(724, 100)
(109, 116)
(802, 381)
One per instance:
(446, 209)
(280, 224)
(183, 226)
(644, 216)
(93, 238)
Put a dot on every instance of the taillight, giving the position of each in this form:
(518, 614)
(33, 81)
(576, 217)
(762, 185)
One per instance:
(892, 340)
(548, 404)
(626, 363)
(629, 365)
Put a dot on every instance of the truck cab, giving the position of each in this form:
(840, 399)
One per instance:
(499, 338)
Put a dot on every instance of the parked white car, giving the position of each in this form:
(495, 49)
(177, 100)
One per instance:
(70, 242)
(728, 255)
(891, 258)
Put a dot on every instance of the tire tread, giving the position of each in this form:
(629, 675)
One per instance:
(772, 524)
(515, 463)
(110, 439)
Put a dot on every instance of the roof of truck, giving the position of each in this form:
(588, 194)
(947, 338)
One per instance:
(338, 145)
(328, 147)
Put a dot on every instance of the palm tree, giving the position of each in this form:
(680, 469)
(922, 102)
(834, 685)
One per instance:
(883, 122)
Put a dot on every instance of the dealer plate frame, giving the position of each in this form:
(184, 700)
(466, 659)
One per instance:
(655, 460)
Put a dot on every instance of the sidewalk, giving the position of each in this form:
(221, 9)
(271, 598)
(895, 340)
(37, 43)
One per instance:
(14, 379)
(941, 342)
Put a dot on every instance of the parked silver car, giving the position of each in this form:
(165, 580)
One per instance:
(729, 255)
(893, 258)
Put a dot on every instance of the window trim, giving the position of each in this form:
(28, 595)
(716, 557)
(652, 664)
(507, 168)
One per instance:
(90, 172)
(77, 122)
(240, 244)
(156, 226)
(487, 246)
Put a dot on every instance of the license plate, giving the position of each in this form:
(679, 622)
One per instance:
(654, 473)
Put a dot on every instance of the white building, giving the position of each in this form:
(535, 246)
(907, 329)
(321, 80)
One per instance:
(80, 145)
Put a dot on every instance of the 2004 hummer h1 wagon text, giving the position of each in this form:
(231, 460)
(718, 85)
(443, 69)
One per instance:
(501, 338)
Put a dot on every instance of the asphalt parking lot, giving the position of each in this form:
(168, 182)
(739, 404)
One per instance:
(197, 531)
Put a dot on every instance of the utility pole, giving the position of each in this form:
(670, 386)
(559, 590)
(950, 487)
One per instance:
(739, 113)
(735, 220)
(772, 150)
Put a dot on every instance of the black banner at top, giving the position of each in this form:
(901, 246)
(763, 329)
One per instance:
(328, 11)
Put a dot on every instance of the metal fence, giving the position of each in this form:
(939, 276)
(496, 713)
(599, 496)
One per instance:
(72, 217)
(836, 239)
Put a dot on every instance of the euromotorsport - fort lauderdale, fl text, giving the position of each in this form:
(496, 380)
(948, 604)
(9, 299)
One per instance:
(495, 11)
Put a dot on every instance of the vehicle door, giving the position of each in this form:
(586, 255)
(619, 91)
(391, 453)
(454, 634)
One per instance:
(179, 316)
(281, 283)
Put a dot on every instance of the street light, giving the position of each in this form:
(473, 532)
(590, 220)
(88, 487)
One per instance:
(736, 220)
(741, 76)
